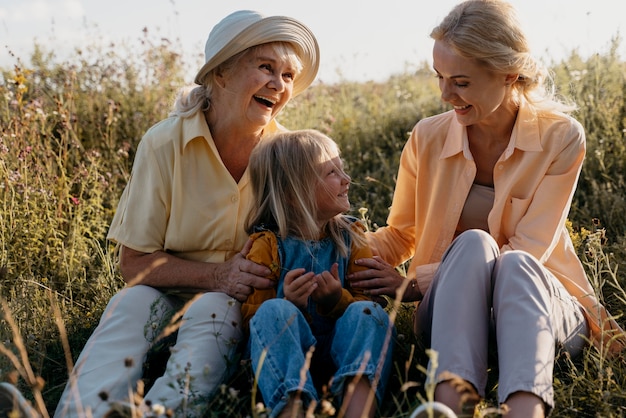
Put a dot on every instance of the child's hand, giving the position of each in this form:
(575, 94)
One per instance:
(298, 287)
(329, 289)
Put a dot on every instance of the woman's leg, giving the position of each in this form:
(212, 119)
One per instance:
(362, 349)
(533, 312)
(454, 316)
(110, 364)
(280, 337)
(202, 356)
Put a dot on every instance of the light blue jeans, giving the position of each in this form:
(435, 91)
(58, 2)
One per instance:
(477, 291)
(280, 337)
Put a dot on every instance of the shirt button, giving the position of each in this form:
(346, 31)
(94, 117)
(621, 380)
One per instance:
(500, 167)
(234, 198)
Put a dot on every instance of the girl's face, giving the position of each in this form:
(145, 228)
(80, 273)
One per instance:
(477, 94)
(258, 88)
(331, 193)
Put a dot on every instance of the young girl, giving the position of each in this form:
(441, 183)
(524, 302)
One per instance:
(300, 192)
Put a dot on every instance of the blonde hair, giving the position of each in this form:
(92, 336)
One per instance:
(193, 99)
(489, 32)
(284, 171)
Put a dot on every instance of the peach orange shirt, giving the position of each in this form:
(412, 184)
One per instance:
(534, 182)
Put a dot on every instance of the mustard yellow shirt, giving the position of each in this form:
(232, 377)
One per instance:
(265, 251)
(534, 181)
(180, 197)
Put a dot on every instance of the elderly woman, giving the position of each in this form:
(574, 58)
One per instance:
(480, 205)
(179, 224)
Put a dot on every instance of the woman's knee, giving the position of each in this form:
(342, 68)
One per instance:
(214, 306)
(471, 251)
(476, 243)
(138, 301)
(518, 268)
(476, 238)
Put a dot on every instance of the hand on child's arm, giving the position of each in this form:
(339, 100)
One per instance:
(329, 289)
(299, 286)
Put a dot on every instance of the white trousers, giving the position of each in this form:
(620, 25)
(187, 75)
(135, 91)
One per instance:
(110, 364)
(476, 291)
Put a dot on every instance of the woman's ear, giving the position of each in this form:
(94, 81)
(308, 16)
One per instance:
(511, 79)
(219, 77)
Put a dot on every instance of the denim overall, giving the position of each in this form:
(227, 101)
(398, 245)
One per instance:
(357, 343)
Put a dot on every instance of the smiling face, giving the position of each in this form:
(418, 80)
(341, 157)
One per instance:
(257, 87)
(331, 192)
(477, 94)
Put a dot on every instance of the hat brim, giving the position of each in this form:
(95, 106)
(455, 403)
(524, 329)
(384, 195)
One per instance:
(272, 29)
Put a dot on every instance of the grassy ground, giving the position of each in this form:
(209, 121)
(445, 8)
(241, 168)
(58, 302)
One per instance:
(68, 132)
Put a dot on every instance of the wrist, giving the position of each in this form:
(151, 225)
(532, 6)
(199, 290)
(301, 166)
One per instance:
(416, 294)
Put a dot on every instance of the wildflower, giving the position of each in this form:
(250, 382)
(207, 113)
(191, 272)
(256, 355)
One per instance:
(158, 409)
(328, 408)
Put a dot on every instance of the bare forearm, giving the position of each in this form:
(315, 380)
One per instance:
(236, 277)
(163, 270)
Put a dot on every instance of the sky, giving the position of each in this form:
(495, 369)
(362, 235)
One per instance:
(360, 40)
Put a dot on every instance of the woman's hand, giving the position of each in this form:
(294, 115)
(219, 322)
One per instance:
(298, 286)
(238, 277)
(380, 279)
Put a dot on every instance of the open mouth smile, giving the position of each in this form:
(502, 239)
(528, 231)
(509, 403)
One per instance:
(266, 101)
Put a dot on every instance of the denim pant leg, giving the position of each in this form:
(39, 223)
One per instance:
(454, 316)
(280, 337)
(111, 362)
(363, 345)
(533, 312)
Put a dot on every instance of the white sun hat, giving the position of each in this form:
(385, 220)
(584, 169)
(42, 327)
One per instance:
(246, 28)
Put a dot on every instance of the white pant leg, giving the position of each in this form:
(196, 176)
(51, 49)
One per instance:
(111, 362)
(454, 316)
(201, 358)
(533, 313)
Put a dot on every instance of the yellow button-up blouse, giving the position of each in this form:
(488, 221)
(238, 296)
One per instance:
(180, 197)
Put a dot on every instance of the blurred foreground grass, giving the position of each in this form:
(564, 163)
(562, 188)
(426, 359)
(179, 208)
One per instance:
(68, 132)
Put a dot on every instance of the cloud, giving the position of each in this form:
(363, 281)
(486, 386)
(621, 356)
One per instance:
(42, 11)
(74, 8)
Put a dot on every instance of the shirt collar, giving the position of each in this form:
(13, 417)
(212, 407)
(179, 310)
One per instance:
(196, 127)
(526, 135)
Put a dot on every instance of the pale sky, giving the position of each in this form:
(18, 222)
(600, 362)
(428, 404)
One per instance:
(359, 39)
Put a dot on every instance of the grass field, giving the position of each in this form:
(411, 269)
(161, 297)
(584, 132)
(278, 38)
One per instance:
(68, 133)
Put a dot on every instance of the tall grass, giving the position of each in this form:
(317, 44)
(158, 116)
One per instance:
(68, 133)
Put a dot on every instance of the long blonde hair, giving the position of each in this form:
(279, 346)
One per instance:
(193, 99)
(489, 32)
(285, 171)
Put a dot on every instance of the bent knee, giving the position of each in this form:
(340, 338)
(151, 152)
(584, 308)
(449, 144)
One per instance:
(214, 304)
(136, 300)
(366, 310)
(276, 308)
(476, 238)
